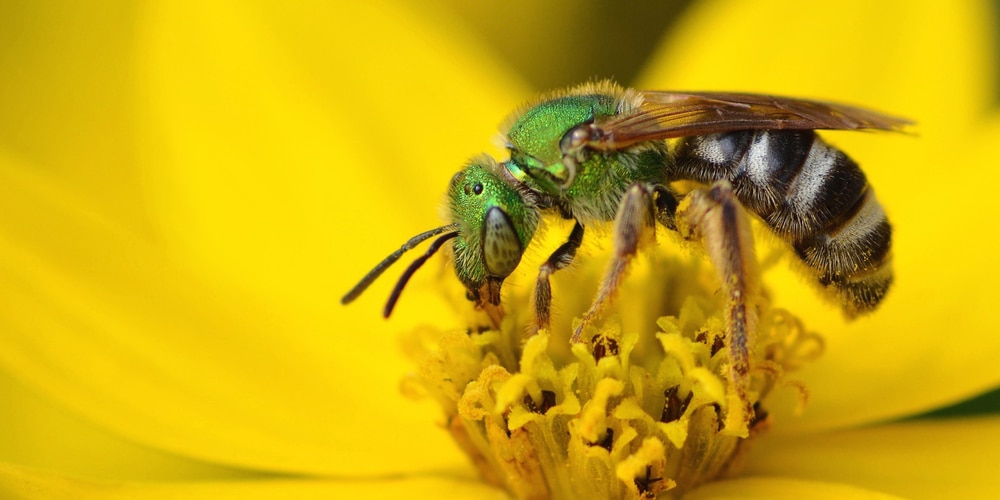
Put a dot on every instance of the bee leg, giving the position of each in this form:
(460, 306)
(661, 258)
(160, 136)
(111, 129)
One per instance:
(558, 260)
(633, 227)
(666, 206)
(716, 217)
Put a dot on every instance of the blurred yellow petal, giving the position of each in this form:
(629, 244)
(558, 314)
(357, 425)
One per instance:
(114, 329)
(67, 99)
(930, 61)
(18, 483)
(83, 449)
(298, 154)
(172, 273)
(782, 489)
(550, 54)
(221, 338)
(949, 458)
(919, 59)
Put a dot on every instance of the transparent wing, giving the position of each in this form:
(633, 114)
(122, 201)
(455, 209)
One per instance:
(665, 115)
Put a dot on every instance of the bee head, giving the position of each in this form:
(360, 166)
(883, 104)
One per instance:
(491, 223)
(495, 224)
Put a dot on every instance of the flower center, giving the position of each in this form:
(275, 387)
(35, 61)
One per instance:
(625, 415)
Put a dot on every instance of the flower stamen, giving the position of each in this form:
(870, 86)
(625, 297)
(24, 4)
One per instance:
(614, 419)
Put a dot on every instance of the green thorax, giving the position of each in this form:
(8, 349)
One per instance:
(601, 180)
(538, 131)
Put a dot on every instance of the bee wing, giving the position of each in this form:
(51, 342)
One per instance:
(665, 115)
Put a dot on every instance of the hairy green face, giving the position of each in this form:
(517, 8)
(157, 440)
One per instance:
(495, 223)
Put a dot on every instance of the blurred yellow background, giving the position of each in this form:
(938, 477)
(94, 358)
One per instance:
(187, 188)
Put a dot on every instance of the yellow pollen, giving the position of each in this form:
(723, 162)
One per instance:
(622, 416)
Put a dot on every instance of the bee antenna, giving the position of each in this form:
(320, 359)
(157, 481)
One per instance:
(390, 260)
(419, 261)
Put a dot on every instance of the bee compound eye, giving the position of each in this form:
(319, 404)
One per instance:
(501, 246)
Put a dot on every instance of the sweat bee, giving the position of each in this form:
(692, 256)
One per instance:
(599, 153)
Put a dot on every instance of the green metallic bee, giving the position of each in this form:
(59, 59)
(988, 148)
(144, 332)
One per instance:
(599, 153)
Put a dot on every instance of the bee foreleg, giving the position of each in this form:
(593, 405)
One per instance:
(634, 225)
(559, 259)
(716, 217)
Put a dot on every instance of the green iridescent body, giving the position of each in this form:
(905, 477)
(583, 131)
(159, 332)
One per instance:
(536, 179)
(593, 195)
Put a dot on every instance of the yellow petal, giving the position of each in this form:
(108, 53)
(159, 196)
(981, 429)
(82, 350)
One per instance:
(36, 433)
(22, 483)
(557, 54)
(271, 189)
(779, 488)
(289, 155)
(919, 59)
(68, 101)
(930, 343)
(117, 331)
(947, 458)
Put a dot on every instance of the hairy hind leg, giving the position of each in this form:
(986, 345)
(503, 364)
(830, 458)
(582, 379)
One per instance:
(634, 225)
(715, 217)
(559, 259)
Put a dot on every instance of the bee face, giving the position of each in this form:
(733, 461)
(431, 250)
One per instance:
(494, 222)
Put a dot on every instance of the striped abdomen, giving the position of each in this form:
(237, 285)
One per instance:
(812, 195)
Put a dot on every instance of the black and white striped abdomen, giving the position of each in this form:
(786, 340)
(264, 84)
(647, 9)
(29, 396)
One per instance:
(812, 195)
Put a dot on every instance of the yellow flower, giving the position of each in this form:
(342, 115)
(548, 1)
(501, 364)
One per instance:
(626, 415)
(187, 188)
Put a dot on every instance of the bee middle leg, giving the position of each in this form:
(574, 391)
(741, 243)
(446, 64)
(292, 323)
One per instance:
(559, 259)
(715, 217)
(635, 224)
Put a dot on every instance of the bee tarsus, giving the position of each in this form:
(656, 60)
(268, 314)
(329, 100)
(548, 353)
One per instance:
(559, 259)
